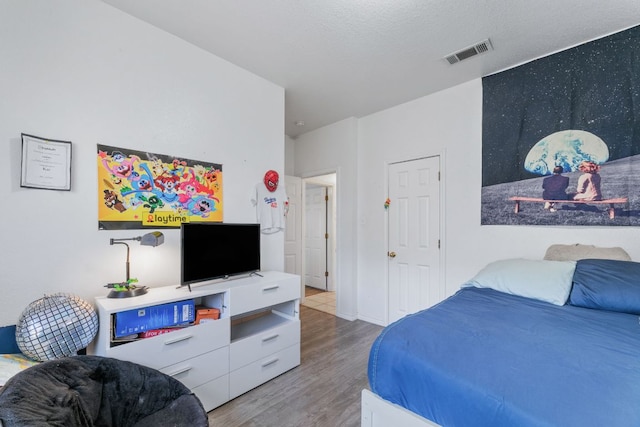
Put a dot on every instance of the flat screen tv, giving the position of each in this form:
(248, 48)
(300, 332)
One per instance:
(218, 251)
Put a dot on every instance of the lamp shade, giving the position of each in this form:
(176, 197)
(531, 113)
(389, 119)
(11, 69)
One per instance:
(155, 238)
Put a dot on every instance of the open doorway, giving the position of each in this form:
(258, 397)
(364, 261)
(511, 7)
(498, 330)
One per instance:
(319, 242)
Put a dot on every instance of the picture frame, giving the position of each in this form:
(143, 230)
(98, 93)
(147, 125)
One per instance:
(46, 163)
(140, 189)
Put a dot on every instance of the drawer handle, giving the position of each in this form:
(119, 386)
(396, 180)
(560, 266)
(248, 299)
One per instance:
(270, 288)
(270, 362)
(178, 339)
(269, 338)
(180, 371)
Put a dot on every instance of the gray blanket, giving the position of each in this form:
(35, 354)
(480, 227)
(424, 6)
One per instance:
(92, 391)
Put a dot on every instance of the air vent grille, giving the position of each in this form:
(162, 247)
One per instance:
(469, 52)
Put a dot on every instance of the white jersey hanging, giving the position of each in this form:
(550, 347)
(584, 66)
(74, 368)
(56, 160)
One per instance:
(271, 204)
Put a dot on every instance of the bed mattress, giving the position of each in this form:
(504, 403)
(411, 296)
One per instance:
(487, 358)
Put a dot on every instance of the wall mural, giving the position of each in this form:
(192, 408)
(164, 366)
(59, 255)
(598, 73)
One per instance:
(561, 138)
(147, 190)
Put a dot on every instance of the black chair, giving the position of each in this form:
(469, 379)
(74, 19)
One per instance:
(93, 391)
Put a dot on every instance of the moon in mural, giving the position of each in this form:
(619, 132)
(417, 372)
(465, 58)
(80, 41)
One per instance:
(566, 148)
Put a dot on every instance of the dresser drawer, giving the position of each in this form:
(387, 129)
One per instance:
(214, 393)
(244, 299)
(251, 376)
(200, 369)
(247, 350)
(164, 350)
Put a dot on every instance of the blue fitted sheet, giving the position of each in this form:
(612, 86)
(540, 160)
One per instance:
(486, 358)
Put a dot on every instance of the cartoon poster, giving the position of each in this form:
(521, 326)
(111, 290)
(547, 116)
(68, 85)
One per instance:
(561, 138)
(147, 190)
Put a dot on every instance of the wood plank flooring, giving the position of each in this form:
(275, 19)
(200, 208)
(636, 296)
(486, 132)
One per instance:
(324, 391)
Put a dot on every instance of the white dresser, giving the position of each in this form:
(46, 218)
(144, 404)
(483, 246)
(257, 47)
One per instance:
(256, 338)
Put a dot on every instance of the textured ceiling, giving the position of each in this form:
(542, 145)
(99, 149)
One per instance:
(350, 58)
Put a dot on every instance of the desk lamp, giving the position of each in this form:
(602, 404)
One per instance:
(127, 289)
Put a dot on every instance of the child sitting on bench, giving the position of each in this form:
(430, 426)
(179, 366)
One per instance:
(554, 188)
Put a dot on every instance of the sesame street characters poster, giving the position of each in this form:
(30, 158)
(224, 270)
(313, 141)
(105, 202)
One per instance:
(146, 190)
(560, 139)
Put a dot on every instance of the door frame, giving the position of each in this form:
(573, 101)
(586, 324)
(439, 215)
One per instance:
(334, 262)
(331, 225)
(295, 202)
(442, 276)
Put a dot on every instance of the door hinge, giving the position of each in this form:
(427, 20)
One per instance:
(326, 274)
(326, 197)
(438, 243)
(326, 236)
(438, 175)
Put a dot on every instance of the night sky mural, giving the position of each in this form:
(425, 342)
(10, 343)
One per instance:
(582, 104)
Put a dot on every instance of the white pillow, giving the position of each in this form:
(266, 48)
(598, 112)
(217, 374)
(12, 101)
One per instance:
(578, 251)
(544, 280)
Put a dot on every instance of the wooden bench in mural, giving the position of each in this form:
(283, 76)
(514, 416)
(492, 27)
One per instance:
(610, 202)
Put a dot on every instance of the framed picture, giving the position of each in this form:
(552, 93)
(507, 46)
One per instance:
(46, 163)
(138, 190)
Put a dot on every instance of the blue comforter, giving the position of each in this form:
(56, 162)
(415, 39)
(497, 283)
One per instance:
(486, 358)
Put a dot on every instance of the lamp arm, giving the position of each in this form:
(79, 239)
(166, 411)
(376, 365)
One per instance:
(119, 242)
(154, 238)
(112, 241)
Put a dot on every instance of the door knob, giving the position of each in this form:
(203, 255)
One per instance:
(391, 254)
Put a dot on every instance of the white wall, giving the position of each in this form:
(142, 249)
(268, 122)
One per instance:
(334, 149)
(82, 71)
(289, 155)
(447, 123)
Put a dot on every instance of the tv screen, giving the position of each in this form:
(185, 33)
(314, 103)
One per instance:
(218, 250)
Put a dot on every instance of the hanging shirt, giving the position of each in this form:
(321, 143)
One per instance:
(271, 208)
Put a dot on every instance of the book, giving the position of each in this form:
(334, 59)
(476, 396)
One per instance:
(155, 332)
(153, 317)
(206, 314)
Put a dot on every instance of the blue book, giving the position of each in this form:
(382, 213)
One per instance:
(157, 316)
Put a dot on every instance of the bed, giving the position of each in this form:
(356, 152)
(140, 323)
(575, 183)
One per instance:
(552, 342)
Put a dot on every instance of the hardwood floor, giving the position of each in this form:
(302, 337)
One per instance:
(324, 391)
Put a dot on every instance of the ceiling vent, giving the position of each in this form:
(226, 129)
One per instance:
(481, 47)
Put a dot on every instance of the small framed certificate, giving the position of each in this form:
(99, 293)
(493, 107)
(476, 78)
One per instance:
(46, 163)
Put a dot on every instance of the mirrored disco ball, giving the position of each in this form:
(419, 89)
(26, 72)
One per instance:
(57, 325)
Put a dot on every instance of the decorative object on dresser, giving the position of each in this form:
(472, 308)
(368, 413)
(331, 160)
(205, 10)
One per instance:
(127, 289)
(255, 338)
(56, 326)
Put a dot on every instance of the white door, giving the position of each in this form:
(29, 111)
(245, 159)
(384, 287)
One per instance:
(414, 236)
(293, 227)
(315, 236)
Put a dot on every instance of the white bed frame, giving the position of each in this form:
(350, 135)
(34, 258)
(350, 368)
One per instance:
(377, 412)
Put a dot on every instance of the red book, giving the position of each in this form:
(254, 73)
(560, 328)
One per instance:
(155, 332)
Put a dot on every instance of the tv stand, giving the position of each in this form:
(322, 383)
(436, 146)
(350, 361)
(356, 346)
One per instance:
(256, 338)
(255, 273)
